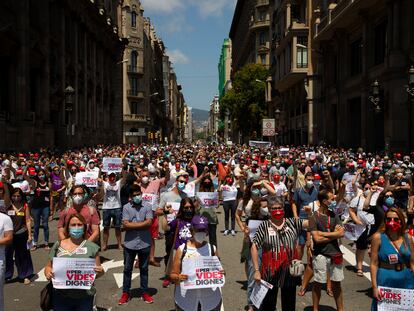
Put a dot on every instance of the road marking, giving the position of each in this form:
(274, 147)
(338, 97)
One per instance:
(41, 276)
(112, 264)
(350, 257)
(119, 278)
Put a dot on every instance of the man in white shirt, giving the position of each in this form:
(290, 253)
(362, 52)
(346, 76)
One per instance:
(6, 237)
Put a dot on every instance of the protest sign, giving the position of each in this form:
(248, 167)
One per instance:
(229, 193)
(253, 225)
(190, 189)
(310, 154)
(283, 151)
(203, 272)
(259, 292)
(353, 231)
(208, 199)
(395, 299)
(175, 207)
(112, 165)
(89, 179)
(71, 273)
(150, 200)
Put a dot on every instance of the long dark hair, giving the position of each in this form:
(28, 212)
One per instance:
(20, 191)
(183, 202)
(204, 188)
(38, 180)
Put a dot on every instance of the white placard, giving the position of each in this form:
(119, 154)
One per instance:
(150, 200)
(175, 207)
(203, 272)
(190, 189)
(284, 151)
(309, 154)
(353, 231)
(396, 299)
(89, 179)
(229, 193)
(112, 165)
(71, 273)
(208, 199)
(253, 225)
(259, 292)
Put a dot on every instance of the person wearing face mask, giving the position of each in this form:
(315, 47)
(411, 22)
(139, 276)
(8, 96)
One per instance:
(17, 252)
(75, 245)
(79, 205)
(277, 238)
(228, 191)
(400, 186)
(326, 229)
(58, 186)
(206, 299)
(392, 260)
(136, 219)
(280, 187)
(206, 185)
(41, 208)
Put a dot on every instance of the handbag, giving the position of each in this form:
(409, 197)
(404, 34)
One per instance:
(296, 267)
(46, 301)
(338, 259)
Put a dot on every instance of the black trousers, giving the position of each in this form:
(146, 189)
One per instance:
(288, 295)
(212, 234)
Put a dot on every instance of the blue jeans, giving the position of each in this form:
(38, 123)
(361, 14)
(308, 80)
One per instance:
(38, 214)
(62, 303)
(250, 271)
(129, 258)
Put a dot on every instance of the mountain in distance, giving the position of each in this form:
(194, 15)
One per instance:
(200, 115)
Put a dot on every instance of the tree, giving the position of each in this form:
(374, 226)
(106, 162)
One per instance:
(246, 100)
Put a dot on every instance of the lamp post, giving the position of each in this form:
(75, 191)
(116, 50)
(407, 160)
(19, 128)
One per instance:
(69, 94)
(374, 98)
(410, 91)
(277, 121)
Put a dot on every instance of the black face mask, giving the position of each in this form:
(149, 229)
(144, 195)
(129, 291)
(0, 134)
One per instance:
(188, 214)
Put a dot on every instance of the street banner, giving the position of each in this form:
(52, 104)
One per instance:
(229, 193)
(150, 200)
(353, 231)
(259, 144)
(89, 179)
(74, 273)
(259, 292)
(175, 207)
(208, 199)
(268, 127)
(112, 165)
(395, 299)
(253, 225)
(203, 272)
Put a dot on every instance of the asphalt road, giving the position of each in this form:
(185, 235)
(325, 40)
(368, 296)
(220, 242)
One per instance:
(19, 297)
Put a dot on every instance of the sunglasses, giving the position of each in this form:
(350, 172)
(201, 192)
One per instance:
(388, 196)
(396, 219)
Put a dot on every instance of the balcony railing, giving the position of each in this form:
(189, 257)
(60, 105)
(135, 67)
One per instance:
(135, 93)
(135, 117)
(254, 24)
(135, 69)
(334, 10)
(262, 2)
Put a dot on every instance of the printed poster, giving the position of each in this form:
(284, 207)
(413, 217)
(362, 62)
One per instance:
(353, 231)
(175, 207)
(396, 299)
(89, 179)
(208, 199)
(259, 292)
(203, 272)
(74, 273)
(112, 165)
(150, 200)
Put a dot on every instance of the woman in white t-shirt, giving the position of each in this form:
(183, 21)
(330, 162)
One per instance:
(229, 194)
(202, 299)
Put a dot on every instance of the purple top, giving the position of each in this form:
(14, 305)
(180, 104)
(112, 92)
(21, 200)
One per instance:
(183, 233)
(57, 182)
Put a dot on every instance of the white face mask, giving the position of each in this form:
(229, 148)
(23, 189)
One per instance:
(366, 192)
(145, 180)
(264, 211)
(309, 183)
(77, 199)
(200, 237)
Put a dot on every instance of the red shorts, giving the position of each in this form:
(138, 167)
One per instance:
(154, 227)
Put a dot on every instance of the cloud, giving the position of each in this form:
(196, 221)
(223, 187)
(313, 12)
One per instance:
(162, 6)
(176, 24)
(177, 57)
(212, 7)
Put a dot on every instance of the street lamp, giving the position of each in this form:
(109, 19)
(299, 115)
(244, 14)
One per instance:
(374, 98)
(277, 121)
(69, 96)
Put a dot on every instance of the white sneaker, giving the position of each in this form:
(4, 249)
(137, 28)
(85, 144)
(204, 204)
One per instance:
(226, 232)
(233, 233)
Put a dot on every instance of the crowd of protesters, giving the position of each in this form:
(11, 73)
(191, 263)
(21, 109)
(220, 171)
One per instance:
(290, 204)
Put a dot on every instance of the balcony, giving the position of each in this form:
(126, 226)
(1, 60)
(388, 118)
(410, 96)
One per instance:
(135, 93)
(257, 24)
(135, 69)
(262, 3)
(135, 118)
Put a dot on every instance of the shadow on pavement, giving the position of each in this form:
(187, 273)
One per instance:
(243, 283)
(321, 308)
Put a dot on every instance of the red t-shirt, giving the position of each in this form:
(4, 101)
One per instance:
(89, 213)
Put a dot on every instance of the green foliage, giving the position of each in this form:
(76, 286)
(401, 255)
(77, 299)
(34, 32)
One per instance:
(246, 100)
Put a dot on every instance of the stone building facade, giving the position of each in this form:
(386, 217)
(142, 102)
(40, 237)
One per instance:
(46, 46)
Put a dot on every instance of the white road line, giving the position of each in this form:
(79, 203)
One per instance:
(350, 257)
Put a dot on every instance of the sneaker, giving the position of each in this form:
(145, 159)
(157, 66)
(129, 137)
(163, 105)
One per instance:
(124, 299)
(226, 232)
(166, 283)
(147, 298)
(233, 233)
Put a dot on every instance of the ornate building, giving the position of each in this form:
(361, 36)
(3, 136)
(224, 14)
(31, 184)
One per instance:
(47, 47)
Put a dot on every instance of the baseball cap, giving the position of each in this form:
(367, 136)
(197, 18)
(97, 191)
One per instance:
(32, 171)
(199, 222)
(19, 172)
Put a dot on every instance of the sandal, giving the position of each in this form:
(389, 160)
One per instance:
(329, 292)
(302, 291)
(360, 273)
(34, 247)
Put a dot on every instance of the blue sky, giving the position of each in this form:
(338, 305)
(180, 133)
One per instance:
(193, 32)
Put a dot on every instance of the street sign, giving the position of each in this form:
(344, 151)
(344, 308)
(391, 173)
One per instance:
(268, 127)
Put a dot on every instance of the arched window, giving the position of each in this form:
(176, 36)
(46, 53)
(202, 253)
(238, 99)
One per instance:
(133, 19)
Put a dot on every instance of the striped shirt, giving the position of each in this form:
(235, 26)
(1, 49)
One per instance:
(279, 248)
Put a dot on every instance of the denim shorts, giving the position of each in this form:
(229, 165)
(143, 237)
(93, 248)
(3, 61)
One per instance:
(302, 237)
(114, 214)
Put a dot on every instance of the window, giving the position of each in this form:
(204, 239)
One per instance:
(261, 16)
(136, 108)
(133, 83)
(133, 19)
(263, 59)
(380, 43)
(302, 52)
(262, 38)
(133, 60)
(356, 57)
